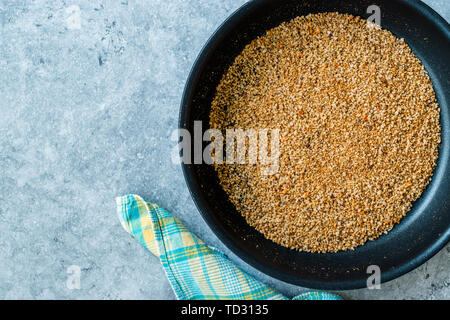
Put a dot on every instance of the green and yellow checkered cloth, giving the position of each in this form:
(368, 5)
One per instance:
(195, 271)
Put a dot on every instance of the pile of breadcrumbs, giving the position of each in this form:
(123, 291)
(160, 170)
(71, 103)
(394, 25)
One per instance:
(359, 131)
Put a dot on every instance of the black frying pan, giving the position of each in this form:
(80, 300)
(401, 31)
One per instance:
(420, 235)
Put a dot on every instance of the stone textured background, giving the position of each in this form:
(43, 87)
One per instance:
(86, 115)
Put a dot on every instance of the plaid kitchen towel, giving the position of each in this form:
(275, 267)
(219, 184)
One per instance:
(195, 271)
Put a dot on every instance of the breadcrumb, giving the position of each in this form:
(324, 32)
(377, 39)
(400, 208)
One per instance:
(359, 131)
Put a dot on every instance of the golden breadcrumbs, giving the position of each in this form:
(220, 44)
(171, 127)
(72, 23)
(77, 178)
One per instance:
(359, 131)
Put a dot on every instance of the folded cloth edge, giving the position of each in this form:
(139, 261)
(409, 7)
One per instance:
(149, 224)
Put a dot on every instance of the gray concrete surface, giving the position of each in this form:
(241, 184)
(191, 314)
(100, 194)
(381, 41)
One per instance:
(86, 112)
